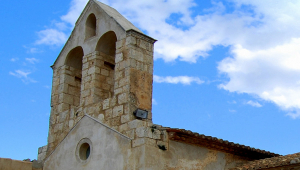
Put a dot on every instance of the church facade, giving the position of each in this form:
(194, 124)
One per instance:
(101, 105)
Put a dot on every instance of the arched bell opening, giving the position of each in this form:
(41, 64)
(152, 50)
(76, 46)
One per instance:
(73, 75)
(90, 26)
(106, 47)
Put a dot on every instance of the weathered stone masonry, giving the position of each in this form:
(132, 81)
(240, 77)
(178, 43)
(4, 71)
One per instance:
(110, 85)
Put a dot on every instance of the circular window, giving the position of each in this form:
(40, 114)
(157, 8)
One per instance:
(84, 150)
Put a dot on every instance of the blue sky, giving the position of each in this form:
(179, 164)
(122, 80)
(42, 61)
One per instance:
(228, 69)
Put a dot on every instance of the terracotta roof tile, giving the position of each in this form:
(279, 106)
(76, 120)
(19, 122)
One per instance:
(292, 160)
(190, 137)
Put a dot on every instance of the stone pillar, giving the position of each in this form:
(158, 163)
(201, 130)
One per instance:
(132, 84)
(65, 96)
(98, 76)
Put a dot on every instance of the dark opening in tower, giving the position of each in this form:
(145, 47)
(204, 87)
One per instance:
(73, 75)
(90, 26)
(106, 47)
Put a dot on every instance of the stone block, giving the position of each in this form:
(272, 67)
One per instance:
(136, 124)
(115, 121)
(124, 81)
(67, 98)
(106, 104)
(132, 63)
(85, 73)
(141, 132)
(108, 114)
(73, 90)
(54, 100)
(97, 77)
(126, 88)
(119, 57)
(118, 91)
(113, 101)
(63, 88)
(156, 134)
(119, 74)
(150, 69)
(86, 93)
(52, 119)
(127, 110)
(86, 79)
(76, 101)
(63, 116)
(138, 142)
(145, 68)
(117, 111)
(139, 56)
(101, 117)
(104, 72)
(144, 44)
(150, 142)
(94, 70)
(71, 123)
(125, 118)
(109, 80)
(64, 78)
(123, 127)
(122, 98)
(92, 57)
(130, 40)
(58, 127)
(42, 149)
(106, 86)
(119, 66)
(51, 138)
(130, 134)
(63, 107)
(55, 81)
(84, 60)
(98, 62)
(119, 44)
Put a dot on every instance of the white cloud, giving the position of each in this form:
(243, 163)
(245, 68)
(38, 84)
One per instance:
(23, 75)
(232, 111)
(47, 87)
(57, 35)
(74, 11)
(263, 41)
(295, 114)
(186, 80)
(32, 49)
(232, 102)
(154, 102)
(272, 74)
(32, 60)
(14, 59)
(254, 104)
(51, 37)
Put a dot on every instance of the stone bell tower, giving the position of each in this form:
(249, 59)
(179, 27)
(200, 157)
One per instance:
(105, 70)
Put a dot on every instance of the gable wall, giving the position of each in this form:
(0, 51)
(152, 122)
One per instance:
(109, 149)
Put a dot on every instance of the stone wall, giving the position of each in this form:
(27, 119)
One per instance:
(180, 156)
(9, 164)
